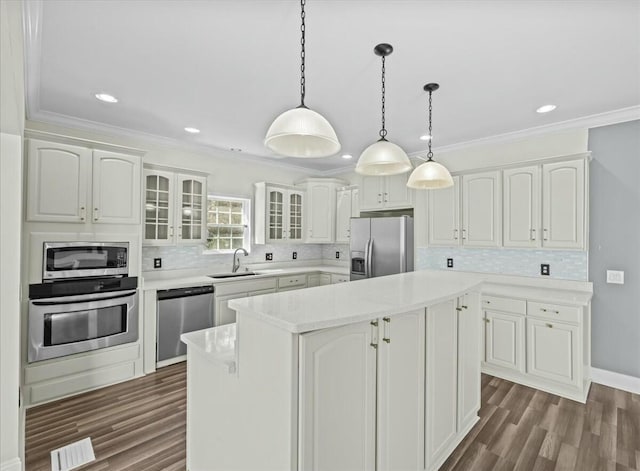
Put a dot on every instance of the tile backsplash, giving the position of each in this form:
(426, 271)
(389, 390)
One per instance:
(193, 256)
(564, 264)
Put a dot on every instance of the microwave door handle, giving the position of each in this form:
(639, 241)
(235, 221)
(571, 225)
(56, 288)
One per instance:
(83, 299)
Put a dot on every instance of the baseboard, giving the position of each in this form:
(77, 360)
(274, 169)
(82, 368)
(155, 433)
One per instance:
(11, 465)
(615, 380)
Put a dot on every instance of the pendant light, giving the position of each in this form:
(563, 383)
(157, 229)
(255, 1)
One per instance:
(301, 132)
(383, 157)
(430, 174)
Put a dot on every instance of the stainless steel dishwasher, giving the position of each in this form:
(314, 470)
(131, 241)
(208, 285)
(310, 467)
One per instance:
(179, 311)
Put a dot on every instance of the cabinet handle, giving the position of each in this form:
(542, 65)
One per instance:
(386, 197)
(549, 310)
(179, 232)
(386, 334)
(95, 214)
(487, 320)
(464, 234)
(550, 325)
(464, 307)
(533, 234)
(544, 237)
(458, 309)
(379, 197)
(455, 234)
(170, 231)
(374, 338)
(487, 302)
(82, 213)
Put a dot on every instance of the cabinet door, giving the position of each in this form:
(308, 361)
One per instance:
(339, 279)
(158, 207)
(521, 207)
(325, 279)
(337, 399)
(442, 379)
(505, 340)
(343, 215)
(563, 205)
(191, 205)
(401, 356)
(295, 216)
(223, 314)
(552, 350)
(313, 280)
(469, 359)
(355, 202)
(396, 194)
(58, 175)
(371, 189)
(320, 215)
(444, 216)
(481, 209)
(276, 200)
(116, 188)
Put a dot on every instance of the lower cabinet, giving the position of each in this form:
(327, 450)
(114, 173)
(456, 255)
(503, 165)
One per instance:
(318, 279)
(504, 340)
(552, 350)
(361, 401)
(224, 292)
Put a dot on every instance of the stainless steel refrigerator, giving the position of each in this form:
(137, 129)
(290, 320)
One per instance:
(381, 246)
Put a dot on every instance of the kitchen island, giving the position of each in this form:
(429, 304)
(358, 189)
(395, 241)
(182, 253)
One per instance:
(382, 373)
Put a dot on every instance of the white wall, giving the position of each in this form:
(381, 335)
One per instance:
(11, 127)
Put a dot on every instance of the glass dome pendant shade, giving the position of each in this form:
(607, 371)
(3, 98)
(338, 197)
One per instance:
(430, 175)
(383, 157)
(301, 132)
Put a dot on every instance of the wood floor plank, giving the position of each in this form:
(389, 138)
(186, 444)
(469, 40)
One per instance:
(140, 425)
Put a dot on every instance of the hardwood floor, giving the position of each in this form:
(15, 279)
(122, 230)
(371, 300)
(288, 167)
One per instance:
(140, 425)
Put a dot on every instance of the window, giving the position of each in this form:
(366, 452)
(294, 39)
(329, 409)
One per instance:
(228, 223)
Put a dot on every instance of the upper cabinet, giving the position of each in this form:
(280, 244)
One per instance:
(384, 192)
(347, 207)
(68, 183)
(320, 209)
(468, 216)
(175, 207)
(563, 204)
(521, 207)
(279, 213)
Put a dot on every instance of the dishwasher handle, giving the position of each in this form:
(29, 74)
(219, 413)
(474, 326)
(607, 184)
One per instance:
(184, 292)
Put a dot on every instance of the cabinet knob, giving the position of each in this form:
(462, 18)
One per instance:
(465, 307)
(550, 325)
(487, 320)
(458, 309)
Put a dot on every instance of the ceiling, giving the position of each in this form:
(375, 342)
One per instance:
(229, 67)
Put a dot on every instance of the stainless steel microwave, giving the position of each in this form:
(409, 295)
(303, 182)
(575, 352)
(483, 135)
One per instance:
(64, 260)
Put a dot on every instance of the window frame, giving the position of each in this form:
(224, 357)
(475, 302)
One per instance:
(246, 216)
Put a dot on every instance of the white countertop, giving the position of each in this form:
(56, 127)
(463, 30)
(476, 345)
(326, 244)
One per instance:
(217, 343)
(168, 282)
(547, 295)
(333, 305)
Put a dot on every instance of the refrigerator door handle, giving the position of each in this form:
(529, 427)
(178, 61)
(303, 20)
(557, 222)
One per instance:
(368, 255)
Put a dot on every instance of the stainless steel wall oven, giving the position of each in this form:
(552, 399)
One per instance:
(89, 304)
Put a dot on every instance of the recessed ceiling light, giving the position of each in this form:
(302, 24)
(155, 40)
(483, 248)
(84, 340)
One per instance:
(425, 137)
(546, 108)
(347, 156)
(106, 98)
(192, 130)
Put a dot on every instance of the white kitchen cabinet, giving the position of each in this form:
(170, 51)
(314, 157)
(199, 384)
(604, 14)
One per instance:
(444, 215)
(469, 356)
(175, 207)
(552, 350)
(347, 206)
(291, 282)
(504, 339)
(320, 209)
(68, 183)
(279, 213)
(563, 204)
(481, 209)
(318, 279)
(390, 192)
(226, 291)
(335, 278)
(521, 205)
(342, 406)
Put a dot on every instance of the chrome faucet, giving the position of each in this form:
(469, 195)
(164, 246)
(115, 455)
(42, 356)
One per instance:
(236, 259)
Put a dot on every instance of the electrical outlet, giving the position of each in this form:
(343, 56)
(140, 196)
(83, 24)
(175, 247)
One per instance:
(157, 263)
(295, 255)
(544, 269)
(615, 277)
(449, 263)
(337, 254)
(269, 256)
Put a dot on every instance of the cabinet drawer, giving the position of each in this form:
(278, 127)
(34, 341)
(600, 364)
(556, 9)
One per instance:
(554, 312)
(285, 282)
(517, 306)
(339, 278)
(245, 286)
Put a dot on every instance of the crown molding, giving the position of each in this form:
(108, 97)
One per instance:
(586, 122)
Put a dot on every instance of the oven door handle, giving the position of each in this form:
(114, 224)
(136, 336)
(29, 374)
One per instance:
(83, 299)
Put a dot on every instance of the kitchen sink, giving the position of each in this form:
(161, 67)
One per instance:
(233, 275)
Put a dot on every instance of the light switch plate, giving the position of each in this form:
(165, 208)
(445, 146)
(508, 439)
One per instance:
(615, 276)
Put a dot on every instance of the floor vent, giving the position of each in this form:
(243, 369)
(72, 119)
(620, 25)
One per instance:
(72, 456)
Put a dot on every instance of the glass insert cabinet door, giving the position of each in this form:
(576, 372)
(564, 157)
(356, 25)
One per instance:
(295, 216)
(158, 220)
(276, 214)
(192, 198)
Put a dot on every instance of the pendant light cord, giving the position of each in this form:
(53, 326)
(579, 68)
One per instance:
(383, 131)
(430, 154)
(302, 53)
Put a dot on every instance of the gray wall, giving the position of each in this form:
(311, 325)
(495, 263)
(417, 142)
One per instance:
(614, 244)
